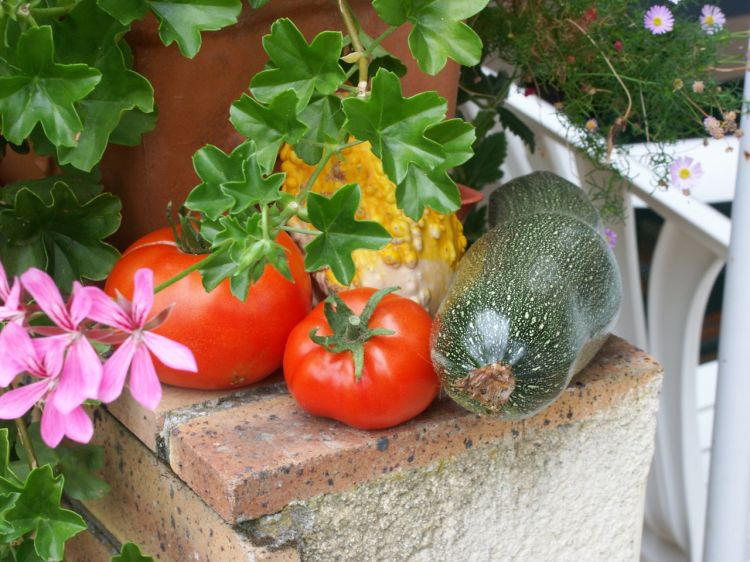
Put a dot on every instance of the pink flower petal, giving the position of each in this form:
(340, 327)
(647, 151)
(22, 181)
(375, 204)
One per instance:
(80, 304)
(16, 402)
(106, 311)
(170, 352)
(143, 295)
(78, 426)
(46, 294)
(115, 371)
(13, 309)
(18, 353)
(80, 377)
(53, 425)
(4, 289)
(144, 384)
(51, 351)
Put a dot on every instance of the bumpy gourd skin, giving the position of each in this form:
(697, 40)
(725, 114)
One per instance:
(423, 255)
(535, 298)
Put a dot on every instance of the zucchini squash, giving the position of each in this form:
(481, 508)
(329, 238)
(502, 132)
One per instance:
(532, 301)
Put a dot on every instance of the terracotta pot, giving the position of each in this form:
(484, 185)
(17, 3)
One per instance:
(193, 97)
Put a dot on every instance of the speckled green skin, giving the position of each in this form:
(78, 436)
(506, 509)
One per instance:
(538, 292)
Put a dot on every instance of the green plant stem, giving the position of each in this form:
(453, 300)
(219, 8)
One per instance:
(24, 12)
(309, 231)
(28, 446)
(187, 271)
(362, 63)
(302, 195)
(264, 222)
(55, 11)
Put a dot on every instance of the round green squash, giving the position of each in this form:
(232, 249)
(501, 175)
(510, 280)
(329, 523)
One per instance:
(532, 301)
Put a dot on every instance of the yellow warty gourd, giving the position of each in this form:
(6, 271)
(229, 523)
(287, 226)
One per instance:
(422, 256)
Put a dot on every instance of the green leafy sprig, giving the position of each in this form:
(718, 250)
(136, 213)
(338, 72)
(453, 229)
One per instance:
(304, 98)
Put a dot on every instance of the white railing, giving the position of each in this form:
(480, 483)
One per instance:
(690, 252)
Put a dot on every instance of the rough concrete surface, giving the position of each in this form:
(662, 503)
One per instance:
(572, 492)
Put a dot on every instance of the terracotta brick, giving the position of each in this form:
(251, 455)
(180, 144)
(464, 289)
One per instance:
(150, 506)
(181, 403)
(87, 547)
(255, 458)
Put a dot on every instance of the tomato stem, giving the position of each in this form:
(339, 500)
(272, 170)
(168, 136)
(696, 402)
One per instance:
(350, 331)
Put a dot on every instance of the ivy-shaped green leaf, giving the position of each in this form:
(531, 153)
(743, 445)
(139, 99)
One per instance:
(131, 553)
(180, 21)
(39, 90)
(231, 183)
(133, 124)
(323, 118)
(434, 189)
(257, 3)
(297, 65)
(340, 233)
(90, 35)
(395, 126)
(268, 125)
(59, 233)
(38, 510)
(415, 145)
(438, 32)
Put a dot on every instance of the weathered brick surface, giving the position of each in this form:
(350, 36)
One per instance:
(87, 547)
(254, 458)
(150, 506)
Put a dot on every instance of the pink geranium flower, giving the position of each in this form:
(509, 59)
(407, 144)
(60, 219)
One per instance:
(41, 359)
(134, 354)
(11, 306)
(82, 368)
(658, 20)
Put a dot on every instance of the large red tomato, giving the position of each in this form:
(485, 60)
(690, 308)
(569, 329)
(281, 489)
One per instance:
(235, 343)
(398, 381)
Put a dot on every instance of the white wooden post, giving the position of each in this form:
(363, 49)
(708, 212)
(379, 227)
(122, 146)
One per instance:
(729, 483)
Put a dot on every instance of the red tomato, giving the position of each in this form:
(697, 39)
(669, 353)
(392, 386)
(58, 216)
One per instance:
(398, 380)
(235, 343)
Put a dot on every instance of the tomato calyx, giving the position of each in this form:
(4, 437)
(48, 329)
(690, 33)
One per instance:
(187, 234)
(350, 332)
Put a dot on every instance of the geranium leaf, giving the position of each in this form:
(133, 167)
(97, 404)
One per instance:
(180, 21)
(434, 189)
(395, 126)
(90, 35)
(37, 510)
(438, 32)
(133, 124)
(183, 20)
(39, 90)
(268, 125)
(59, 233)
(253, 189)
(126, 11)
(324, 119)
(299, 66)
(456, 137)
(79, 465)
(131, 553)
(214, 167)
(257, 3)
(340, 233)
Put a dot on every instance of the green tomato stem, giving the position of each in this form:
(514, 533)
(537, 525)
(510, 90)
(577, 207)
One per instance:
(187, 271)
(28, 446)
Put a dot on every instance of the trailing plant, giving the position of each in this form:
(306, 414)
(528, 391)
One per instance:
(623, 72)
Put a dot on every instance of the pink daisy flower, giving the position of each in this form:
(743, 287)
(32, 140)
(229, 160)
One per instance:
(685, 173)
(134, 354)
(658, 20)
(712, 19)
